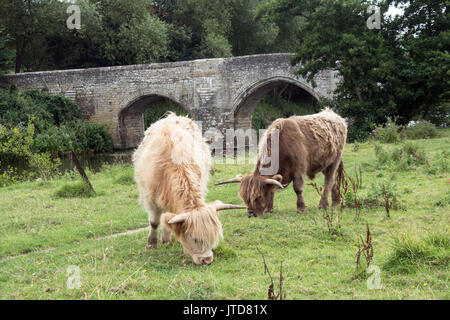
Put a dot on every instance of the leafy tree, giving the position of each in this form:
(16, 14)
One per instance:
(424, 31)
(27, 21)
(400, 70)
(6, 54)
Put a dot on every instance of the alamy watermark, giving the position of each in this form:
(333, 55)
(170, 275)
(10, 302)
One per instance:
(74, 20)
(374, 281)
(73, 277)
(374, 20)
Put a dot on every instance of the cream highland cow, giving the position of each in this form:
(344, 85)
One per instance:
(172, 166)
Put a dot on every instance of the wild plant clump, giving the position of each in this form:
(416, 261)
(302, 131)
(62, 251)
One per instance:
(421, 130)
(383, 194)
(390, 132)
(409, 254)
(408, 156)
(16, 143)
(75, 190)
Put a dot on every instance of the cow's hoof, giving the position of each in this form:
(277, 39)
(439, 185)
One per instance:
(165, 241)
(153, 245)
(301, 209)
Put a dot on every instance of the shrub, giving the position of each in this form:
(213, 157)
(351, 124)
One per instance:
(55, 140)
(415, 151)
(387, 133)
(61, 108)
(406, 157)
(57, 123)
(79, 136)
(17, 142)
(92, 137)
(421, 130)
(377, 190)
(381, 155)
(74, 190)
(356, 146)
(47, 110)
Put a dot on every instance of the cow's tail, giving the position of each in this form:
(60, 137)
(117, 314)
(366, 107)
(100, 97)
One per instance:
(340, 177)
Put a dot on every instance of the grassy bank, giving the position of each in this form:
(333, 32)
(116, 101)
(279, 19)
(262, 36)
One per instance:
(44, 230)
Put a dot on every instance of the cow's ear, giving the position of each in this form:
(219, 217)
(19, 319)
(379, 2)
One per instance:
(275, 182)
(173, 222)
(277, 177)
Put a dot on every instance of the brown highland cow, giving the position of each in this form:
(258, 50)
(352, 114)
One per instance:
(307, 145)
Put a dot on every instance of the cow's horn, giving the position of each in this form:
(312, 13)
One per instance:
(238, 178)
(179, 218)
(224, 206)
(274, 182)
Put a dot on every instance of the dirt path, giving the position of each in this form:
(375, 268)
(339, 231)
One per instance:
(124, 233)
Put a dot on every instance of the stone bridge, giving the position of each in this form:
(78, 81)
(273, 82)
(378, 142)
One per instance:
(221, 93)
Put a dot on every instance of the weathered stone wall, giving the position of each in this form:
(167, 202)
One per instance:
(219, 92)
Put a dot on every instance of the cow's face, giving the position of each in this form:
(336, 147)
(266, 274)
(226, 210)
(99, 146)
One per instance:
(258, 193)
(198, 230)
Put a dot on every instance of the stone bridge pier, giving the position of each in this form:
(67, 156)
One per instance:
(222, 92)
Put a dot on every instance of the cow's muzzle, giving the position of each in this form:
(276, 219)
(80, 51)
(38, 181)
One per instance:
(251, 214)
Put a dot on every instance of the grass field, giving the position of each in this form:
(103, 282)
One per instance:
(42, 233)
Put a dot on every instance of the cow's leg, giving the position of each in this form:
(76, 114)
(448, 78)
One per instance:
(329, 173)
(154, 216)
(299, 185)
(166, 236)
(335, 197)
(335, 194)
(270, 205)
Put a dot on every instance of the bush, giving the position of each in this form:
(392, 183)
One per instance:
(91, 137)
(408, 156)
(61, 108)
(375, 195)
(421, 130)
(47, 110)
(387, 133)
(16, 142)
(57, 123)
(56, 140)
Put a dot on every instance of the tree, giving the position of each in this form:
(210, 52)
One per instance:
(26, 21)
(6, 54)
(424, 31)
(400, 70)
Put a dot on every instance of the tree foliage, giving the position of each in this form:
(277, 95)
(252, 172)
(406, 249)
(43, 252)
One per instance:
(400, 70)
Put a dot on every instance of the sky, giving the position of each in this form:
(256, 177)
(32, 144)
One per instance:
(392, 11)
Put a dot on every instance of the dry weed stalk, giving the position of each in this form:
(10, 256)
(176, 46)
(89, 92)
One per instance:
(355, 185)
(334, 225)
(271, 292)
(387, 201)
(366, 249)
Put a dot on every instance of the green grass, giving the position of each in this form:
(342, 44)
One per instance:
(410, 248)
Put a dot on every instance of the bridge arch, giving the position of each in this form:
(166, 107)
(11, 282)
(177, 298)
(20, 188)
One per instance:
(247, 99)
(131, 117)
